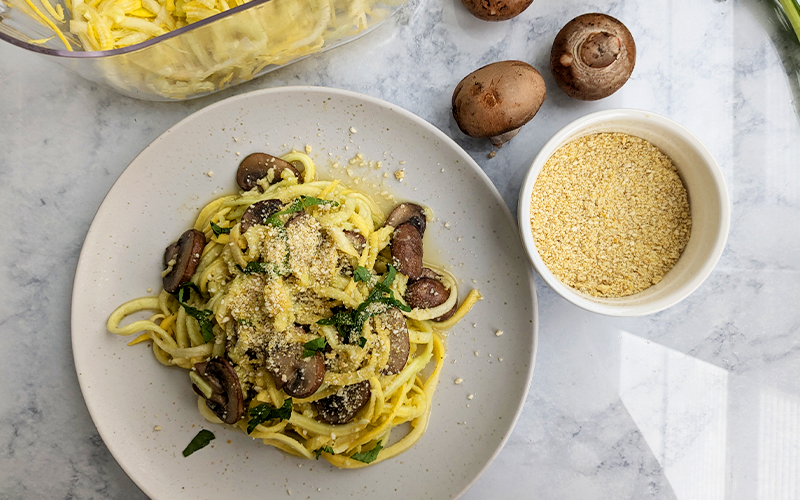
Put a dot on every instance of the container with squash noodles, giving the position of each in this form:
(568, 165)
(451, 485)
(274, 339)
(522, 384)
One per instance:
(181, 49)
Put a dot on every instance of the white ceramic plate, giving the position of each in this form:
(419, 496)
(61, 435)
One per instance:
(157, 197)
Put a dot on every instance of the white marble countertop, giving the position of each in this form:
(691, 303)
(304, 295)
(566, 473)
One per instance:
(699, 401)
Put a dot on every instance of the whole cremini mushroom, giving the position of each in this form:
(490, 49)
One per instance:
(496, 10)
(498, 99)
(592, 57)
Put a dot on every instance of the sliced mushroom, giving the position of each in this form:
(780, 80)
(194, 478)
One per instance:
(429, 273)
(298, 218)
(395, 323)
(407, 250)
(259, 165)
(227, 400)
(408, 212)
(258, 213)
(357, 239)
(299, 377)
(426, 293)
(341, 407)
(184, 255)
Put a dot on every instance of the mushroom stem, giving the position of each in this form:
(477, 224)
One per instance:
(499, 140)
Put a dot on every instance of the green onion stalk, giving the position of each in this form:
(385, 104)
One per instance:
(792, 10)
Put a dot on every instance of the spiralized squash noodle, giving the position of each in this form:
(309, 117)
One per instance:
(401, 398)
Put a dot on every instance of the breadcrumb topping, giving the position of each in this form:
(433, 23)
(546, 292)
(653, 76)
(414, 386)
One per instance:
(610, 215)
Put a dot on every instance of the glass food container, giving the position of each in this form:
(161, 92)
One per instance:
(157, 56)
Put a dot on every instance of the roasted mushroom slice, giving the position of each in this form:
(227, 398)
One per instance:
(407, 250)
(181, 258)
(357, 239)
(394, 322)
(222, 391)
(428, 292)
(429, 273)
(260, 165)
(299, 377)
(408, 212)
(341, 407)
(258, 213)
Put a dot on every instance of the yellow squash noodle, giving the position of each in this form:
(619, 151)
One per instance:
(257, 287)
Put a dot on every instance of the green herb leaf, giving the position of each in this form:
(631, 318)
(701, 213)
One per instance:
(297, 205)
(314, 346)
(326, 449)
(201, 315)
(285, 411)
(362, 274)
(187, 287)
(244, 322)
(260, 268)
(201, 440)
(368, 456)
(350, 323)
(264, 412)
(219, 230)
(387, 280)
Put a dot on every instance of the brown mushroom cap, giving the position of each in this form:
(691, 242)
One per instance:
(408, 212)
(592, 57)
(496, 10)
(227, 400)
(186, 255)
(357, 239)
(428, 292)
(299, 377)
(395, 324)
(341, 407)
(429, 273)
(258, 213)
(496, 100)
(259, 165)
(407, 250)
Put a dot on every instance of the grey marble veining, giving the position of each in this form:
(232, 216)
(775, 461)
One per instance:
(701, 401)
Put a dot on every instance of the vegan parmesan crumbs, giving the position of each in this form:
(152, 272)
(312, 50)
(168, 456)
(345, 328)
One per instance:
(610, 215)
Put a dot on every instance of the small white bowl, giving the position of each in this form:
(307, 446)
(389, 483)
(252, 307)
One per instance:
(708, 200)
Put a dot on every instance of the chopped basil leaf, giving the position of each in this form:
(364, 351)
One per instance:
(297, 205)
(350, 323)
(244, 322)
(188, 286)
(201, 315)
(314, 346)
(387, 280)
(362, 274)
(219, 230)
(260, 268)
(201, 440)
(264, 412)
(368, 456)
(326, 449)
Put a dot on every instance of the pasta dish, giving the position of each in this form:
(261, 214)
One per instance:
(304, 316)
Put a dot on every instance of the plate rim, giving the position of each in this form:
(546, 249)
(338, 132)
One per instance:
(80, 274)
